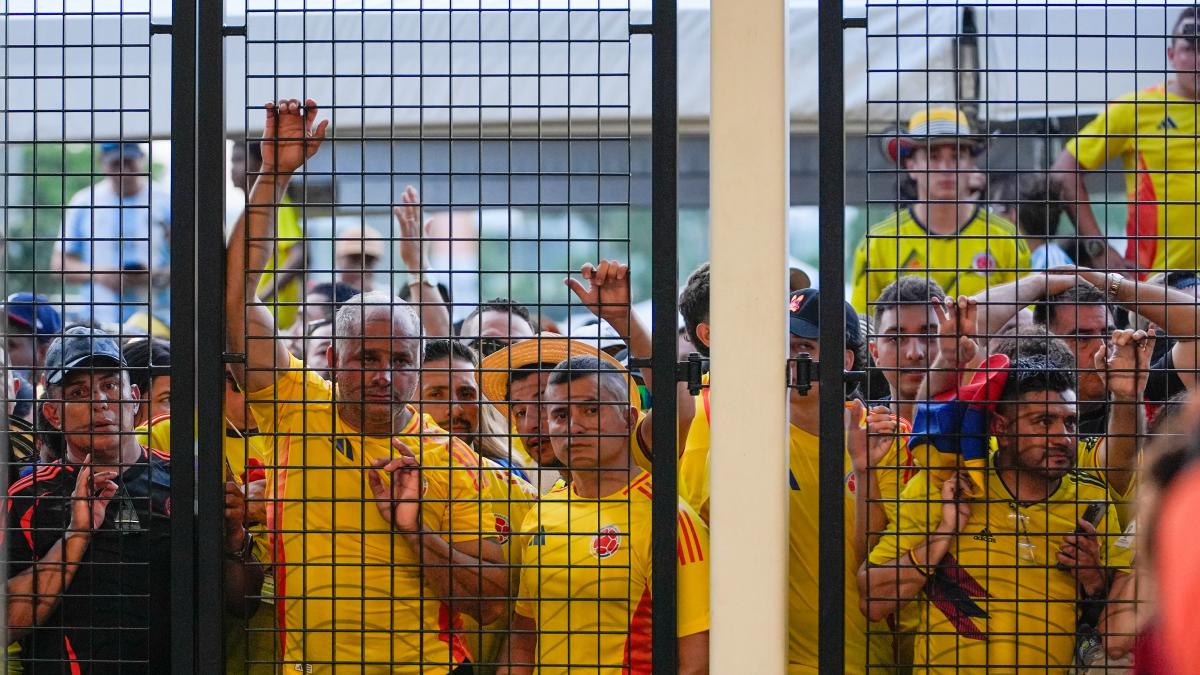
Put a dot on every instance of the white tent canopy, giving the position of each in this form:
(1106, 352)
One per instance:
(501, 69)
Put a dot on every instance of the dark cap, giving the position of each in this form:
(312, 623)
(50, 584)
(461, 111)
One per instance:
(81, 347)
(114, 151)
(35, 312)
(805, 320)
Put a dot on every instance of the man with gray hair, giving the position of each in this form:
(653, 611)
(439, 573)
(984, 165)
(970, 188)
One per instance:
(376, 512)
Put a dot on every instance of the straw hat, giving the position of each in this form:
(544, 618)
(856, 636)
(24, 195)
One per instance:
(546, 348)
(934, 126)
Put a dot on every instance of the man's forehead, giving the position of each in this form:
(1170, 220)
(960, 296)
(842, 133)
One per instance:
(84, 375)
(917, 317)
(1047, 400)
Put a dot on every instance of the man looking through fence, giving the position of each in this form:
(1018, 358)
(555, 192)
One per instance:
(585, 592)
(1154, 132)
(946, 234)
(361, 479)
(88, 536)
(998, 568)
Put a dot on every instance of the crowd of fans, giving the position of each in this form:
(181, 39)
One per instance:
(409, 494)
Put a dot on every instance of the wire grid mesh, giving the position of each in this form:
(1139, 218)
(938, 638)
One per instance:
(1024, 355)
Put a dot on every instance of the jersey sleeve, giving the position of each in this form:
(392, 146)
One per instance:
(1106, 136)
(292, 387)
(858, 297)
(527, 583)
(693, 464)
(454, 496)
(642, 455)
(692, 557)
(918, 512)
(19, 532)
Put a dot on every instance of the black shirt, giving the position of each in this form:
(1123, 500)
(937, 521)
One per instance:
(115, 615)
(1163, 382)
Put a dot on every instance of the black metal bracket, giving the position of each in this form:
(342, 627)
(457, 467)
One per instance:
(233, 357)
(690, 371)
(854, 22)
(230, 31)
(161, 28)
(641, 29)
(808, 371)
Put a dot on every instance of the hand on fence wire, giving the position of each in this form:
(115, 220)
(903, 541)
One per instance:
(289, 138)
(956, 319)
(869, 434)
(399, 500)
(412, 233)
(606, 293)
(1080, 553)
(956, 507)
(90, 500)
(1125, 366)
(235, 517)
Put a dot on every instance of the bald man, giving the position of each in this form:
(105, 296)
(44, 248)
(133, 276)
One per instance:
(381, 541)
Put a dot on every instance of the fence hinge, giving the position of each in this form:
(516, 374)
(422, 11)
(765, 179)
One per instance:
(806, 371)
(231, 31)
(854, 22)
(641, 29)
(690, 371)
(160, 28)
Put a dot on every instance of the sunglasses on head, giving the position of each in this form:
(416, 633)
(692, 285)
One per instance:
(487, 346)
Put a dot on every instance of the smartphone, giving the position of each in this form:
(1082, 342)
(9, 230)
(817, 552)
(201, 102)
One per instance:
(1093, 514)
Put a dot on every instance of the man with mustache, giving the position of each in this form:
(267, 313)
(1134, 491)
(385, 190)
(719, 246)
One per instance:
(88, 535)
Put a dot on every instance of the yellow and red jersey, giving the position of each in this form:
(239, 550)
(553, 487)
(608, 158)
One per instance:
(349, 591)
(586, 579)
(1154, 133)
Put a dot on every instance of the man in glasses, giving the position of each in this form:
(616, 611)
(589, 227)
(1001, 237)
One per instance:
(88, 535)
(1154, 133)
(997, 568)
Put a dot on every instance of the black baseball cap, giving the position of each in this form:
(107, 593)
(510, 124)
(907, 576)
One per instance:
(805, 319)
(81, 347)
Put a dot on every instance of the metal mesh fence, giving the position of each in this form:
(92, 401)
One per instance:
(425, 349)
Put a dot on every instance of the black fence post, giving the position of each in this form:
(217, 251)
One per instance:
(210, 334)
(183, 338)
(664, 287)
(832, 189)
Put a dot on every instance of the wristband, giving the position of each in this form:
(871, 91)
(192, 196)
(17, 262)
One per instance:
(912, 555)
(243, 553)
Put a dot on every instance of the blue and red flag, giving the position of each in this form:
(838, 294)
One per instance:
(950, 432)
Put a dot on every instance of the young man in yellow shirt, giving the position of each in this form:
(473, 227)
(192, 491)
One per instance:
(947, 234)
(1153, 131)
(380, 525)
(586, 586)
(997, 569)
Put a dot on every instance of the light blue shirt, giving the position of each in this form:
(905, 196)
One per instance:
(115, 233)
(1048, 255)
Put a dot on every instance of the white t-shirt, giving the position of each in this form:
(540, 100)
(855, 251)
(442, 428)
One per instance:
(117, 233)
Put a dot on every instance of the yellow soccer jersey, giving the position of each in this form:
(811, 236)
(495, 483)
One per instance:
(1154, 134)
(997, 600)
(694, 469)
(349, 592)
(985, 252)
(586, 579)
(240, 450)
(803, 565)
(507, 499)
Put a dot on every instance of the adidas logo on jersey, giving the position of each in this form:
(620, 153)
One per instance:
(1168, 124)
(539, 539)
(985, 535)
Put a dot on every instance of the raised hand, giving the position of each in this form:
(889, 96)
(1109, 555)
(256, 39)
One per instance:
(607, 292)
(412, 234)
(91, 496)
(289, 138)
(868, 443)
(1125, 368)
(956, 319)
(399, 501)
